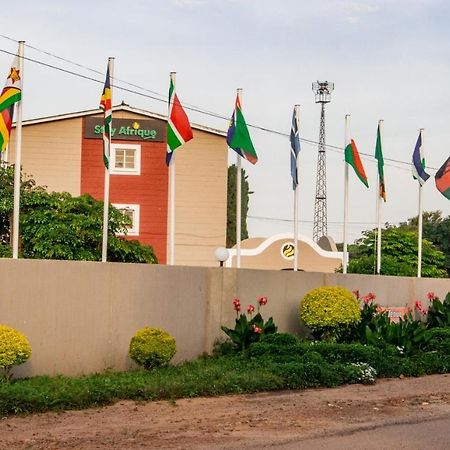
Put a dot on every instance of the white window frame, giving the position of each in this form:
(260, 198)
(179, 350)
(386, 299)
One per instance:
(134, 229)
(124, 171)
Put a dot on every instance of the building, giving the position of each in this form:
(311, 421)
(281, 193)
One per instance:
(277, 253)
(65, 153)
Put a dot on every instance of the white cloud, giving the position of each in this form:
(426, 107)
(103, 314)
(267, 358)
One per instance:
(356, 11)
(189, 3)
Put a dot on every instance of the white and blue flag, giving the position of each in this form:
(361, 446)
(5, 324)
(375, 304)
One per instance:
(418, 159)
(295, 148)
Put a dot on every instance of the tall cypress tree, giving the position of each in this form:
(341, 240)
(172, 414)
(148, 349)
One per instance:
(231, 205)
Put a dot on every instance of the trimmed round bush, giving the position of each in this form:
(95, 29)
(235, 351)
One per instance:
(152, 347)
(14, 349)
(329, 310)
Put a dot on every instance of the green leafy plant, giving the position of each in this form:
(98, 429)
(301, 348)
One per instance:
(438, 312)
(408, 335)
(249, 328)
(329, 312)
(369, 310)
(152, 347)
(14, 350)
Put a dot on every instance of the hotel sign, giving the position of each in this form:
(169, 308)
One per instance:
(126, 129)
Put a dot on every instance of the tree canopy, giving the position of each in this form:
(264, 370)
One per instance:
(399, 254)
(436, 229)
(59, 226)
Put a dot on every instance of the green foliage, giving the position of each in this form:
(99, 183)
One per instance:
(399, 254)
(439, 340)
(387, 361)
(231, 205)
(408, 335)
(369, 311)
(329, 311)
(276, 362)
(435, 229)
(59, 226)
(439, 312)
(14, 349)
(248, 328)
(152, 347)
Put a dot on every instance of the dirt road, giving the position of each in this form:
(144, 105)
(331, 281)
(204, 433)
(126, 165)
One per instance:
(284, 419)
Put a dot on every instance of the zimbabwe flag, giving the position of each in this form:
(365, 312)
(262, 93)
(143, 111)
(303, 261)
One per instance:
(11, 94)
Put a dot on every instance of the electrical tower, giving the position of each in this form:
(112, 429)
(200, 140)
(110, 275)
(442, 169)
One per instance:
(322, 91)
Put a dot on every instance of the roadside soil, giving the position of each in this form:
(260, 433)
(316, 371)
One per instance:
(240, 421)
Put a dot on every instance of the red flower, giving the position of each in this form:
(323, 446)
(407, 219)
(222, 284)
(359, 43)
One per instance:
(356, 293)
(431, 296)
(371, 296)
(419, 306)
(250, 309)
(262, 301)
(237, 307)
(257, 330)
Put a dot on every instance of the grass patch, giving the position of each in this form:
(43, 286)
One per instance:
(276, 363)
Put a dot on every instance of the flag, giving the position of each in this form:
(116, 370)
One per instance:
(295, 148)
(352, 158)
(105, 105)
(379, 158)
(238, 137)
(178, 127)
(418, 159)
(11, 94)
(442, 179)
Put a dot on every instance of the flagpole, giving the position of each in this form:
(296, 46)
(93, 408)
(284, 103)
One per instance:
(345, 262)
(171, 259)
(106, 186)
(18, 163)
(380, 126)
(172, 210)
(297, 116)
(238, 197)
(419, 250)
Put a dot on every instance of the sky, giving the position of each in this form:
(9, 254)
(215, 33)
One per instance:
(389, 59)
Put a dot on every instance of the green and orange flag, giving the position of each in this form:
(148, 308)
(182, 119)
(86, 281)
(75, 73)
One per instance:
(11, 94)
(379, 158)
(352, 157)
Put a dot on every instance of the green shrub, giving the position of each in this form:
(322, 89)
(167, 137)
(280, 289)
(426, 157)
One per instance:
(408, 335)
(329, 311)
(280, 339)
(438, 312)
(14, 349)
(152, 347)
(439, 340)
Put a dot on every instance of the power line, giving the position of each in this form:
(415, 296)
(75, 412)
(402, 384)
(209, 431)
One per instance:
(275, 219)
(187, 106)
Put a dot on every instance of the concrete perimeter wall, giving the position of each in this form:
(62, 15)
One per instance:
(79, 316)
